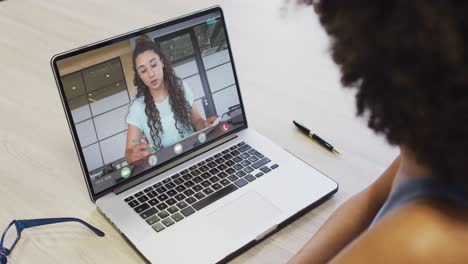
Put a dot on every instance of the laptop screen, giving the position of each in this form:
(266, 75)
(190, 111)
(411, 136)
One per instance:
(140, 100)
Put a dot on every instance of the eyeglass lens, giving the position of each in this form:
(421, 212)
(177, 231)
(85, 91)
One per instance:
(10, 237)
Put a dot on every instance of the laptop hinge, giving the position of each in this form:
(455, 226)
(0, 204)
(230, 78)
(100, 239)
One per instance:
(171, 165)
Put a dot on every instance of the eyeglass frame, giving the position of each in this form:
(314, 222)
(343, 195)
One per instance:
(159, 63)
(20, 225)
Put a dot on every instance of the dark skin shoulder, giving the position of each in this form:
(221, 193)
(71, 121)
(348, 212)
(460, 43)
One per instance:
(423, 231)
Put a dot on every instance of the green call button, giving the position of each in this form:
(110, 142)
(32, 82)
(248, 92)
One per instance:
(125, 172)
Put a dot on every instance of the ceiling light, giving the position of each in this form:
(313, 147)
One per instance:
(73, 87)
(107, 75)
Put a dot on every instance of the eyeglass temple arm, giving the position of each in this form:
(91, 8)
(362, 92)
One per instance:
(23, 224)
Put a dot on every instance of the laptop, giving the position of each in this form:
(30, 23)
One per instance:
(161, 133)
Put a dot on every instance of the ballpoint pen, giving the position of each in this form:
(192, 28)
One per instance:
(315, 137)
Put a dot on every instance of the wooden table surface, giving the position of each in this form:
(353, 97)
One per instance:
(284, 71)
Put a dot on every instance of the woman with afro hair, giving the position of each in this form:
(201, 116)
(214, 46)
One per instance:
(408, 61)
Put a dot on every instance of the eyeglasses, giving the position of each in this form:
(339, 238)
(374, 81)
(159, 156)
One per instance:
(153, 65)
(7, 245)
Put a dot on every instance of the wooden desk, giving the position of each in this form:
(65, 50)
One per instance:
(284, 71)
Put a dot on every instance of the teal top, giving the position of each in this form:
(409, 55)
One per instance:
(435, 187)
(137, 117)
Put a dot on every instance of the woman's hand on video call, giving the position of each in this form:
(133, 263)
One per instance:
(209, 121)
(197, 120)
(138, 151)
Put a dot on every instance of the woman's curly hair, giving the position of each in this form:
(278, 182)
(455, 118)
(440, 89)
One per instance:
(179, 104)
(408, 61)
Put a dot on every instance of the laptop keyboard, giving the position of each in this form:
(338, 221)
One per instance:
(177, 197)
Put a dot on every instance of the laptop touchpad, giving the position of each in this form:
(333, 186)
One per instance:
(249, 213)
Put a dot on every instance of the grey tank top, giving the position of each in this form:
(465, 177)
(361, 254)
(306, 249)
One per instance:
(422, 187)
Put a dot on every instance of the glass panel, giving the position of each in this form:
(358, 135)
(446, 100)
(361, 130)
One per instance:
(105, 92)
(211, 37)
(103, 75)
(111, 123)
(101, 87)
(195, 85)
(110, 102)
(212, 60)
(73, 85)
(225, 99)
(186, 69)
(78, 102)
(220, 77)
(113, 148)
(177, 50)
(86, 132)
(80, 109)
(93, 157)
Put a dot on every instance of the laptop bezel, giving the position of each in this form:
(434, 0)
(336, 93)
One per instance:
(61, 56)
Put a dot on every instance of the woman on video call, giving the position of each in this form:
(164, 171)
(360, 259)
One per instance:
(408, 61)
(163, 111)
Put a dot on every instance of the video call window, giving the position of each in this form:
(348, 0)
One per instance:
(99, 88)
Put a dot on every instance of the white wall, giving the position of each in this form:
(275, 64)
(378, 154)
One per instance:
(109, 103)
(113, 148)
(220, 76)
(111, 123)
(93, 157)
(81, 113)
(104, 127)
